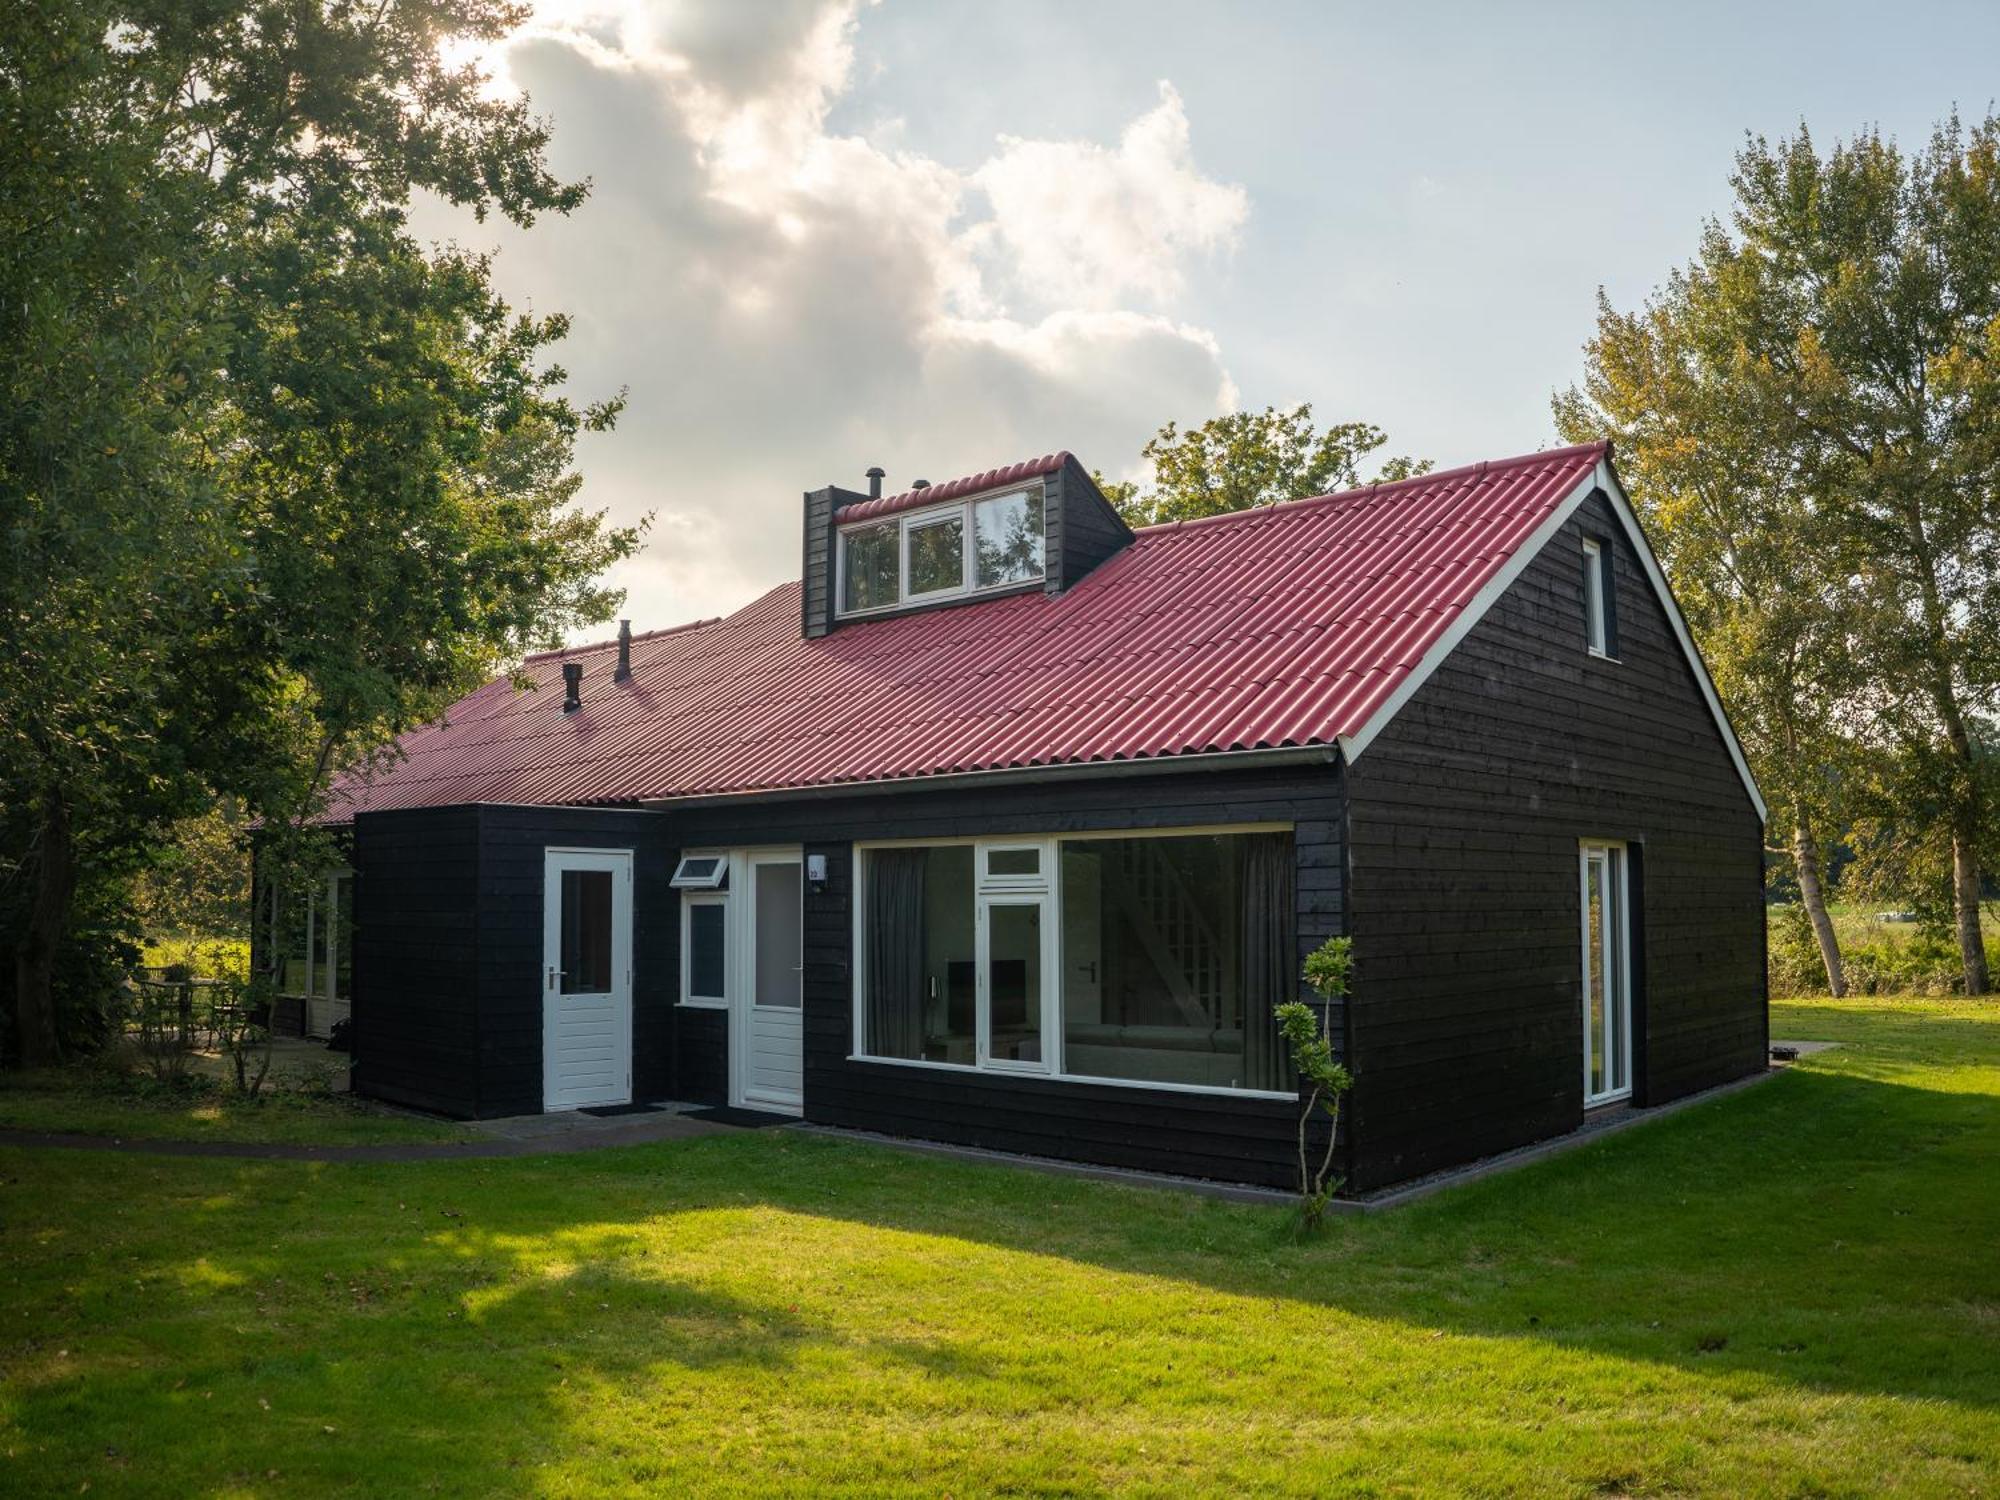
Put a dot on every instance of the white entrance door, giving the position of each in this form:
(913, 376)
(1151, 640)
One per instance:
(768, 1006)
(586, 978)
(1607, 975)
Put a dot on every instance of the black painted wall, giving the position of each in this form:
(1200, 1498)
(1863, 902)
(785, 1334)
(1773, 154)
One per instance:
(512, 845)
(1205, 1135)
(448, 952)
(1082, 528)
(816, 601)
(1466, 814)
(416, 958)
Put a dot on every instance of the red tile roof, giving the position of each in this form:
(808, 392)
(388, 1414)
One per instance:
(971, 484)
(1288, 625)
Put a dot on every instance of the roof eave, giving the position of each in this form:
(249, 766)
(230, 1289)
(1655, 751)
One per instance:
(1151, 765)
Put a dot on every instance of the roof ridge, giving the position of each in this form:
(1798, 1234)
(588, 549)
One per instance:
(868, 507)
(644, 635)
(1055, 460)
(1370, 491)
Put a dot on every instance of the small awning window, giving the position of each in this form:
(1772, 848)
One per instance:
(702, 872)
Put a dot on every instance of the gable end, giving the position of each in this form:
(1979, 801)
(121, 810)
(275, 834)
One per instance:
(1602, 481)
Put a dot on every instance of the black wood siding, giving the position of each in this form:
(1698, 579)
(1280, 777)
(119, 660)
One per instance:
(817, 578)
(1466, 814)
(1082, 528)
(1209, 1135)
(416, 958)
(512, 845)
(448, 952)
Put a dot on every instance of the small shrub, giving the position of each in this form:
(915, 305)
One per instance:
(243, 1031)
(165, 1035)
(1796, 966)
(1925, 962)
(1310, 1042)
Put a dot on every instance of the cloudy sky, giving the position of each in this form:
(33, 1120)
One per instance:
(941, 237)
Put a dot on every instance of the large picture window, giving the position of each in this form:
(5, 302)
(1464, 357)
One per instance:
(1138, 958)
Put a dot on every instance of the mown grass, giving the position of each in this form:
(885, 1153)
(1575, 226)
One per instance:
(131, 1106)
(1792, 1290)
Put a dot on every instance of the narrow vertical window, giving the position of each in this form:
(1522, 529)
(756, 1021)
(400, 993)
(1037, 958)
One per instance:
(1594, 603)
(705, 950)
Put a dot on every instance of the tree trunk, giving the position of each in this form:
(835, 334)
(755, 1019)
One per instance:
(1965, 907)
(1805, 855)
(35, 958)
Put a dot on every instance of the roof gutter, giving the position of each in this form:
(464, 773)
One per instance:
(1089, 770)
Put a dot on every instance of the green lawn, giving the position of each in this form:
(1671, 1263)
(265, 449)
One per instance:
(133, 1107)
(1794, 1290)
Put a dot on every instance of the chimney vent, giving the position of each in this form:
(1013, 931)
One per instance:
(624, 651)
(572, 686)
(920, 484)
(875, 477)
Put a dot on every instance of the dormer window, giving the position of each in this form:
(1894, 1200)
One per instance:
(969, 546)
(868, 566)
(934, 554)
(1007, 539)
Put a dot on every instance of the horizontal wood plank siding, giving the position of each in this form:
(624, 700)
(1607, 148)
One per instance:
(1083, 529)
(416, 896)
(1466, 813)
(448, 952)
(513, 843)
(1219, 1136)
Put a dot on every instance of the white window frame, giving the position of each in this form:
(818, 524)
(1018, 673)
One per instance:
(840, 568)
(716, 895)
(1047, 889)
(1043, 878)
(983, 903)
(322, 903)
(924, 521)
(715, 880)
(968, 566)
(1617, 913)
(1596, 632)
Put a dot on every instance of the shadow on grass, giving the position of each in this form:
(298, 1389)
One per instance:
(450, 1323)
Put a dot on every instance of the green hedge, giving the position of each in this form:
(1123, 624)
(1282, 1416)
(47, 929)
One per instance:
(1924, 963)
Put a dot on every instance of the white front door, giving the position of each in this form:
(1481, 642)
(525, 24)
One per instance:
(586, 978)
(1607, 975)
(767, 1009)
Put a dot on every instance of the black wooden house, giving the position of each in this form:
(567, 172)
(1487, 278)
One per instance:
(1007, 826)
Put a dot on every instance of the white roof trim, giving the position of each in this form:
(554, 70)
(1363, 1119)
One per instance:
(1600, 478)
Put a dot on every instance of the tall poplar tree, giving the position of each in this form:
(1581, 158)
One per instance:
(1848, 319)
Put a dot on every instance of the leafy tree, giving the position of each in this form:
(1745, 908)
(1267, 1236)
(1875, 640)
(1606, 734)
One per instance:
(1246, 458)
(1735, 523)
(1851, 313)
(197, 883)
(277, 481)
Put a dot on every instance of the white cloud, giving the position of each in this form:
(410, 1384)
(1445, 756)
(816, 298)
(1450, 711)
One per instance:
(1085, 225)
(787, 304)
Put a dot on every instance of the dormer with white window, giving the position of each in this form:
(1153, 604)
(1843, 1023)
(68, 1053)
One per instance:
(1035, 526)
